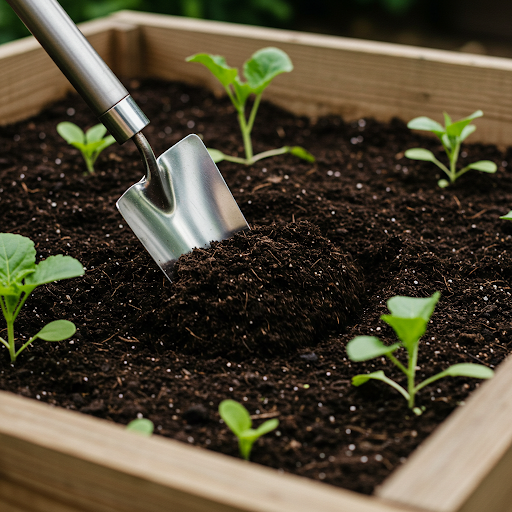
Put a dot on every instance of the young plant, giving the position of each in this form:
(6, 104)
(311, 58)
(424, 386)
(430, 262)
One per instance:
(451, 137)
(91, 143)
(409, 319)
(19, 276)
(141, 426)
(237, 418)
(259, 71)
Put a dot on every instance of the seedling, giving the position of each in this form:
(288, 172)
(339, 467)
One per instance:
(508, 216)
(237, 418)
(409, 319)
(451, 137)
(141, 426)
(19, 276)
(91, 143)
(259, 71)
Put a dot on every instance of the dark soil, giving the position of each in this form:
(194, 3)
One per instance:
(264, 317)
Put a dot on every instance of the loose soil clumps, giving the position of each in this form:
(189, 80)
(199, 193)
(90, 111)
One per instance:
(263, 292)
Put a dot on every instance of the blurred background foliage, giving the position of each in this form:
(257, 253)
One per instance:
(437, 23)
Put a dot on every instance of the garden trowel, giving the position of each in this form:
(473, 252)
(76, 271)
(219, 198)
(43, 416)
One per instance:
(183, 202)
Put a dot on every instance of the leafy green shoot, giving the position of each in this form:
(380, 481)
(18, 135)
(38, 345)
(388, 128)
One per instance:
(259, 71)
(19, 276)
(508, 216)
(91, 143)
(451, 135)
(141, 426)
(409, 319)
(237, 418)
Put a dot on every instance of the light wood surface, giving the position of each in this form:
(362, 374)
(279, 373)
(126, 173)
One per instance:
(53, 460)
(337, 75)
(29, 80)
(466, 465)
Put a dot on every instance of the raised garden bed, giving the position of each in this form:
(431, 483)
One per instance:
(365, 204)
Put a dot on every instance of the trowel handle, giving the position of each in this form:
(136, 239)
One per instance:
(83, 67)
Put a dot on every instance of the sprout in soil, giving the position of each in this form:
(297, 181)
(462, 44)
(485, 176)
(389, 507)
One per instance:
(91, 143)
(451, 137)
(141, 426)
(409, 319)
(259, 71)
(237, 418)
(19, 276)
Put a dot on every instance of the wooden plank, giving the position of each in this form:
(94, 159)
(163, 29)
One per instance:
(339, 75)
(53, 460)
(466, 465)
(29, 80)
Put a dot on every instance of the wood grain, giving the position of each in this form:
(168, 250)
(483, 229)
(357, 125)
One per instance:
(466, 465)
(335, 75)
(53, 460)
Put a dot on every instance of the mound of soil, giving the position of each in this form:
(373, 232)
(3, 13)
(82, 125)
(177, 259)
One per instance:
(264, 292)
(359, 226)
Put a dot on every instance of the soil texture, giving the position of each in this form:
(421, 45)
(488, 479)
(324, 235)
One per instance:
(264, 317)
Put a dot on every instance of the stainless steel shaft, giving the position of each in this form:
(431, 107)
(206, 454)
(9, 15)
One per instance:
(83, 67)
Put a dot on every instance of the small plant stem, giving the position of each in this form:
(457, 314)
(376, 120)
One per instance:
(10, 339)
(254, 110)
(3, 342)
(235, 159)
(396, 386)
(24, 346)
(397, 363)
(246, 135)
(90, 165)
(453, 162)
(271, 152)
(411, 374)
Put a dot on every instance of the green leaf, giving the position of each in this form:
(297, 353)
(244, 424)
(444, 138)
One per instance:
(55, 268)
(358, 380)
(476, 371)
(57, 330)
(420, 154)
(408, 330)
(425, 123)
(412, 307)
(141, 426)
(484, 166)
(363, 348)
(217, 65)
(264, 66)
(267, 427)
(456, 129)
(95, 133)
(467, 131)
(17, 259)
(447, 119)
(105, 143)
(508, 216)
(235, 416)
(217, 156)
(70, 132)
(443, 183)
(242, 91)
(302, 153)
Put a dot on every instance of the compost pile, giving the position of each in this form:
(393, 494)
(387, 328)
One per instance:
(263, 317)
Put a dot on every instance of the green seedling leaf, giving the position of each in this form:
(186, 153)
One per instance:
(217, 65)
(413, 307)
(70, 132)
(19, 276)
(57, 330)
(95, 134)
(141, 426)
(409, 330)
(217, 156)
(264, 66)
(484, 166)
(425, 123)
(17, 259)
(363, 348)
(55, 268)
(476, 371)
(359, 380)
(90, 144)
(420, 154)
(508, 216)
(468, 130)
(447, 119)
(302, 153)
(237, 418)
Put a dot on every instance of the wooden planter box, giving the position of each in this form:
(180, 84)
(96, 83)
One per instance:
(53, 460)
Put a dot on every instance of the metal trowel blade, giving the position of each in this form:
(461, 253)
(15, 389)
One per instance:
(198, 207)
